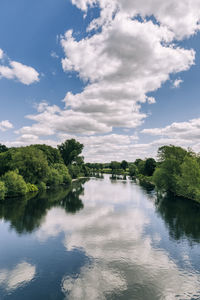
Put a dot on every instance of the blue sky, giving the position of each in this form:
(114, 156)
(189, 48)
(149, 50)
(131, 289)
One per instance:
(123, 81)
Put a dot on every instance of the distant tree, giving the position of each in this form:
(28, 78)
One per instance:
(114, 165)
(70, 151)
(149, 167)
(137, 161)
(133, 170)
(141, 167)
(3, 148)
(124, 165)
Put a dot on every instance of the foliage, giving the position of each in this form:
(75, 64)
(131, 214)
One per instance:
(115, 167)
(124, 165)
(133, 170)
(41, 186)
(149, 167)
(188, 184)
(52, 155)
(64, 172)
(3, 148)
(31, 163)
(74, 171)
(2, 190)
(54, 177)
(38, 165)
(70, 151)
(141, 167)
(32, 188)
(178, 172)
(15, 184)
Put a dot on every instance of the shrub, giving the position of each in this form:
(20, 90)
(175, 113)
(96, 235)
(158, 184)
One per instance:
(54, 177)
(15, 184)
(2, 190)
(41, 186)
(63, 171)
(32, 187)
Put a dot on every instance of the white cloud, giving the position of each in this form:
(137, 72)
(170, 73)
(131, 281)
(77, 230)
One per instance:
(22, 73)
(120, 64)
(1, 53)
(5, 125)
(181, 17)
(189, 131)
(54, 55)
(177, 83)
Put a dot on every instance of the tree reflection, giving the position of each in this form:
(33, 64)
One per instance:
(26, 215)
(181, 216)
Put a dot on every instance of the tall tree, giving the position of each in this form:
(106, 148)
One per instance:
(3, 148)
(149, 167)
(70, 151)
(124, 165)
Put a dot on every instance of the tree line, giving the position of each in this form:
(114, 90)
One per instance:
(176, 170)
(36, 167)
(33, 168)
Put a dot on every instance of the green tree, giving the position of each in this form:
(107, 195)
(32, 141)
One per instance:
(52, 155)
(3, 148)
(70, 151)
(2, 190)
(188, 183)
(31, 163)
(115, 166)
(133, 170)
(141, 167)
(63, 171)
(149, 167)
(15, 184)
(124, 165)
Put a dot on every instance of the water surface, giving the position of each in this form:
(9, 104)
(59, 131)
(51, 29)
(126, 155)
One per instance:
(102, 239)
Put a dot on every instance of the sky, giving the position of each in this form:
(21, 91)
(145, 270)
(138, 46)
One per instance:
(120, 76)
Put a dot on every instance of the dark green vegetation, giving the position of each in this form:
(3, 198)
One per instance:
(36, 167)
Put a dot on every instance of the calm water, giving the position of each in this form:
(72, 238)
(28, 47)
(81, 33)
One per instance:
(102, 239)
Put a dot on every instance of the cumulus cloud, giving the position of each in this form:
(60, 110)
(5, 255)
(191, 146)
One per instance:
(123, 62)
(133, 49)
(22, 73)
(182, 18)
(5, 125)
(178, 130)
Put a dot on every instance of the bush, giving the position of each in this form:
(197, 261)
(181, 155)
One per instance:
(15, 184)
(41, 186)
(2, 190)
(54, 177)
(74, 171)
(32, 187)
(63, 171)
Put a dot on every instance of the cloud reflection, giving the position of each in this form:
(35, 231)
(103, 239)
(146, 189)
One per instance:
(18, 276)
(123, 257)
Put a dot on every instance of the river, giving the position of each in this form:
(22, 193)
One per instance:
(101, 239)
